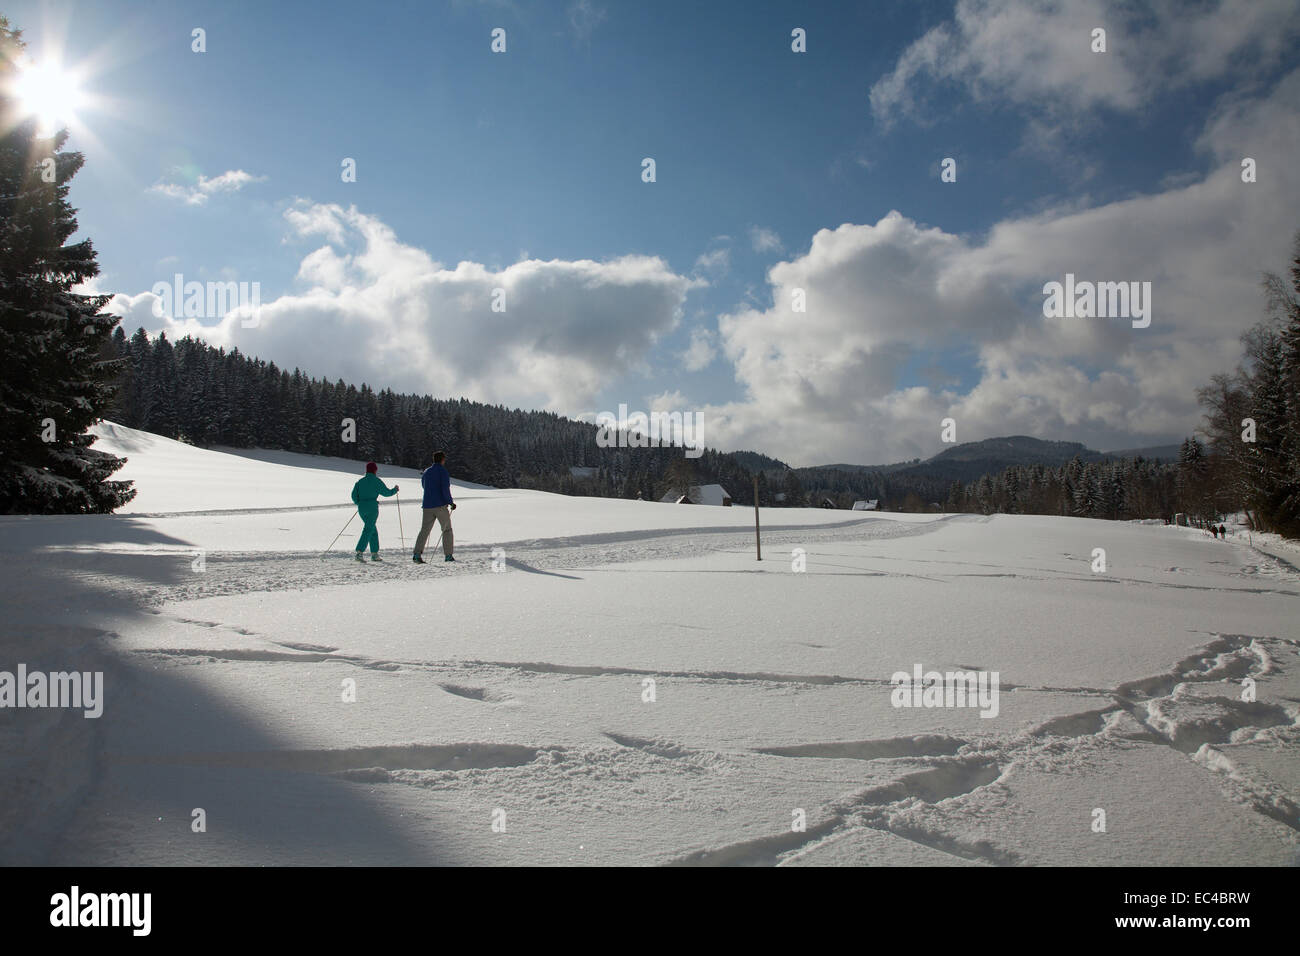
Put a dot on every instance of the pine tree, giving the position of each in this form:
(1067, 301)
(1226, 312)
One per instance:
(955, 500)
(1283, 401)
(1086, 493)
(1227, 403)
(679, 477)
(160, 416)
(56, 359)
(1012, 484)
(1193, 470)
(792, 488)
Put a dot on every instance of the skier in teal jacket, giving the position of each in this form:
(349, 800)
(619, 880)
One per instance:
(365, 495)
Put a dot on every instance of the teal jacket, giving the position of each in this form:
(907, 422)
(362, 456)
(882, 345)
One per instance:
(366, 492)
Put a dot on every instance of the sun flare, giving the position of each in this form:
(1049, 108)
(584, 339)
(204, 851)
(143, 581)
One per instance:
(50, 93)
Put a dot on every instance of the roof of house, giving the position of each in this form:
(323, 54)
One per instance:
(701, 495)
(868, 504)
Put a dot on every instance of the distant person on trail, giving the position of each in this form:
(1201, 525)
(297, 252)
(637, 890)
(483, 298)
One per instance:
(438, 506)
(1223, 532)
(365, 495)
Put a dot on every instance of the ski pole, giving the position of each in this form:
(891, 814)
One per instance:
(339, 535)
(399, 520)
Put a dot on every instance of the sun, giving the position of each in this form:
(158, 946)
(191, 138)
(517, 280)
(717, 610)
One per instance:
(50, 93)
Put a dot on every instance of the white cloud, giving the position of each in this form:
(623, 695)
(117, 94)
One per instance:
(377, 310)
(91, 286)
(714, 262)
(825, 384)
(672, 401)
(1037, 53)
(314, 219)
(197, 195)
(701, 352)
(764, 239)
(325, 269)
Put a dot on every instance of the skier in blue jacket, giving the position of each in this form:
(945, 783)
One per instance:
(365, 495)
(438, 507)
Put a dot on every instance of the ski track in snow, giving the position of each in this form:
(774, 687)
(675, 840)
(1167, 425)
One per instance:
(233, 572)
(932, 767)
(954, 768)
(1167, 709)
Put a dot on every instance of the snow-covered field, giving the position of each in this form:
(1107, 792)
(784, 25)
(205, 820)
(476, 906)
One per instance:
(634, 687)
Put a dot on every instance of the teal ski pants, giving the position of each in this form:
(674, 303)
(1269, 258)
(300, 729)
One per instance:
(369, 530)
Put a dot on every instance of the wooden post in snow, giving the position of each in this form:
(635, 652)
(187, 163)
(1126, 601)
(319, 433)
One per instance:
(758, 544)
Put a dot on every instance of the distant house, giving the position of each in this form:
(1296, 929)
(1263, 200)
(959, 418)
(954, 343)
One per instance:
(827, 503)
(870, 504)
(700, 495)
(779, 497)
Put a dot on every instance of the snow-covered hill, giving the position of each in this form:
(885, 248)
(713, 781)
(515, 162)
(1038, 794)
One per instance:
(634, 687)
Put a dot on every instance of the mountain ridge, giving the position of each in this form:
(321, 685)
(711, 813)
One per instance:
(1014, 450)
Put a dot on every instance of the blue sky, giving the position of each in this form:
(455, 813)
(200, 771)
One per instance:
(522, 170)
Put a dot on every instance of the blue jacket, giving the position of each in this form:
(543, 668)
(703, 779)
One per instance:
(437, 486)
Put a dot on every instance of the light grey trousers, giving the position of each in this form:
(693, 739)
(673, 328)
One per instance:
(441, 515)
